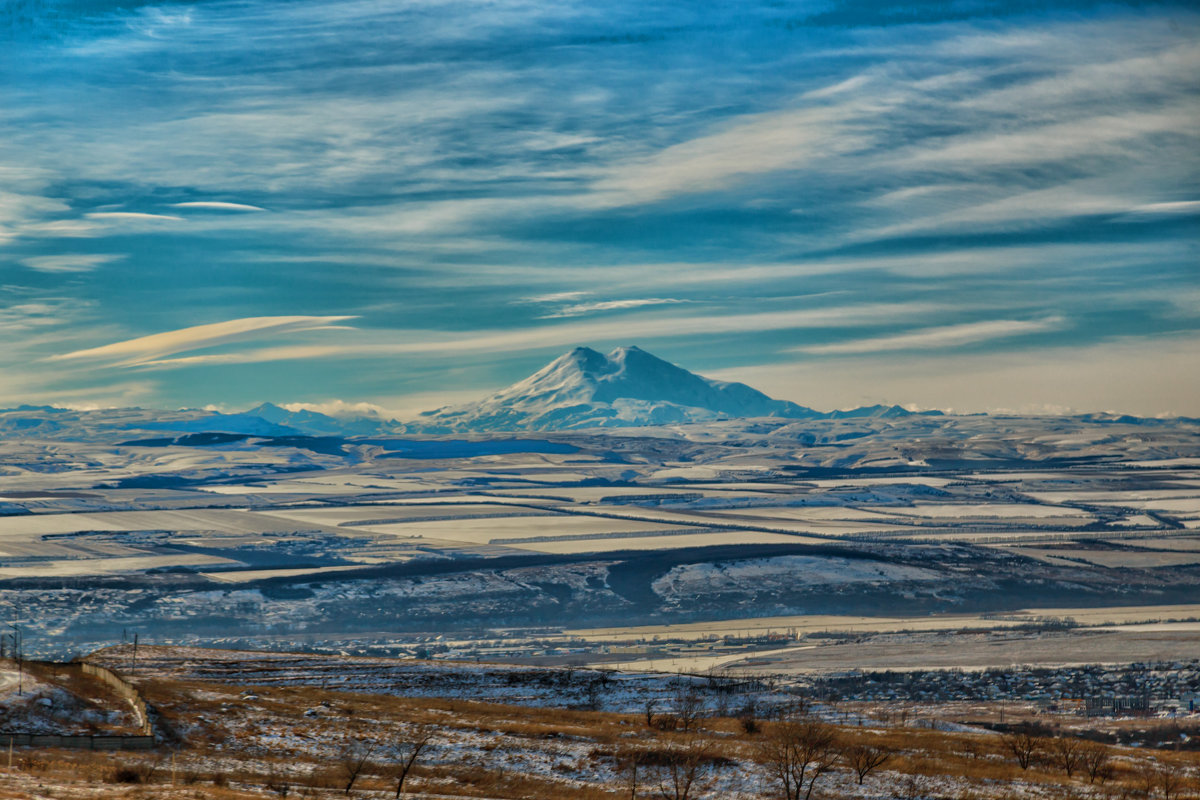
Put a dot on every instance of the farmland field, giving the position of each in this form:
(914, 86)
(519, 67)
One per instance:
(980, 651)
(501, 550)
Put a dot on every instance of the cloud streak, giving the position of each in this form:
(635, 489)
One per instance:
(215, 205)
(938, 338)
(579, 309)
(70, 263)
(753, 145)
(131, 216)
(148, 349)
(425, 342)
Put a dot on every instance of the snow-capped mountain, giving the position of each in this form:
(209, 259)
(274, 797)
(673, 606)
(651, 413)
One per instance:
(312, 423)
(625, 388)
(266, 420)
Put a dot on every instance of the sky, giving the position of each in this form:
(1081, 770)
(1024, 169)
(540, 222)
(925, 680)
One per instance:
(370, 203)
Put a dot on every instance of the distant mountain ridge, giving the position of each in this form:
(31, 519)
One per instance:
(581, 389)
(628, 387)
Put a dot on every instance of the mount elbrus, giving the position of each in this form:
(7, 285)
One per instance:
(588, 389)
(581, 389)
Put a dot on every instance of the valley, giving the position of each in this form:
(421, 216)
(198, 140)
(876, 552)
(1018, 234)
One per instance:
(507, 537)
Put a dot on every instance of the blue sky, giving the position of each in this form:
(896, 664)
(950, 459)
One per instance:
(961, 205)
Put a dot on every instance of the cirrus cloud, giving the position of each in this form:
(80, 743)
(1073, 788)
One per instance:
(936, 338)
(69, 262)
(144, 349)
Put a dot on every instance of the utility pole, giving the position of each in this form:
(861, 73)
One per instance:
(135, 642)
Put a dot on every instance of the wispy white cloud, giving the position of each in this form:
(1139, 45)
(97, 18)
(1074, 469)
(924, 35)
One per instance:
(132, 216)
(399, 407)
(1169, 207)
(339, 408)
(22, 316)
(1086, 78)
(556, 297)
(216, 205)
(17, 209)
(146, 349)
(424, 342)
(1083, 137)
(751, 145)
(60, 229)
(937, 338)
(1037, 208)
(70, 263)
(579, 309)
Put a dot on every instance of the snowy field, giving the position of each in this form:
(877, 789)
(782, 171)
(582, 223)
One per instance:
(981, 651)
(1115, 558)
(686, 538)
(683, 524)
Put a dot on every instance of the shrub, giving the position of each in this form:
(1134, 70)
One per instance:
(126, 774)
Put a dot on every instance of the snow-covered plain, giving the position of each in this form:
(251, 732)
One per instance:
(684, 522)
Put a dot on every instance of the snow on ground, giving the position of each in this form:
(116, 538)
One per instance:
(787, 571)
(541, 687)
(1113, 558)
(677, 539)
(104, 566)
(990, 510)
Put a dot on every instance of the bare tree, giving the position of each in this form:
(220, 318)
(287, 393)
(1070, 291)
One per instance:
(353, 756)
(1169, 779)
(630, 763)
(794, 708)
(1023, 745)
(865, 759)
(592, 691)
(1066, 753)
(796, 753)
(408, 750)
(648, 708)
(1145, 778)
(689, 705)
(687, 770)
(1096, 761)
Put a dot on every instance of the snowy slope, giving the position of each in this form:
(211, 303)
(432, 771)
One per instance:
(587, 389)
(312, 423)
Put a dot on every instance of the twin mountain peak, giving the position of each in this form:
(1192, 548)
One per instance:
(583, 388)
(627, 387)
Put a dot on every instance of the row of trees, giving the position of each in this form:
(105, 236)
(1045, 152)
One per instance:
(1152, 777)
(794, 752)
(1069, 754)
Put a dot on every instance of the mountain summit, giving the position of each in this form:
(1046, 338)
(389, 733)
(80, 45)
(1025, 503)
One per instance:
(588, 389)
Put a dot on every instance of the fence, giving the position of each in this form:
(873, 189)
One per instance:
(81, 742)
(123, 688)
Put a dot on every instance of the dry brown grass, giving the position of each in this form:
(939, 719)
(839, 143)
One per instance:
(230, 750)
